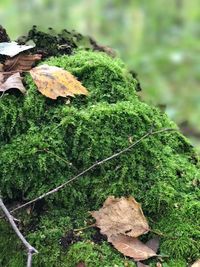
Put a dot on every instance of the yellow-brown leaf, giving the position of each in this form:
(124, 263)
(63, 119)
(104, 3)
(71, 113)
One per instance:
(54, 82)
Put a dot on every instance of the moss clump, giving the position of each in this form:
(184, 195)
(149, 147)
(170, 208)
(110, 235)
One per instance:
(45, 142)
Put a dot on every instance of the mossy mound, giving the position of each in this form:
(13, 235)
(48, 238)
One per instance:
(45, 142)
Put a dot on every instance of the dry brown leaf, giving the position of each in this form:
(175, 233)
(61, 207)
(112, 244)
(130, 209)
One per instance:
(121, 216)
(196, 263)
(14, 81)
(21, 62)
(53, 82)
(132, 247)
(153, 243)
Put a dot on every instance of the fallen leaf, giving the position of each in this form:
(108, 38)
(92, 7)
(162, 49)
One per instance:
(121, 216)
(21, 62)
(53, 82)
(153, 243)
(140, 264)
(196, 263)
(14, 81)
(132, 247)
(11, 49)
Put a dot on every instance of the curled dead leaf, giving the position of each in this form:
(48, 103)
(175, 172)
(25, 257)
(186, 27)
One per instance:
(21, 62)
(132, 247)
(121, 216)
(53, 82)
(14, 81)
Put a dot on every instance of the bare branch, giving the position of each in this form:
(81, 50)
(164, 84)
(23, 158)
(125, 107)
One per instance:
(30, 250)
(29, 259)
(150, 133)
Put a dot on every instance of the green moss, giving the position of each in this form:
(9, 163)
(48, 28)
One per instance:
(174, 263)
(107, 79)
(46, 142)
(91, 254)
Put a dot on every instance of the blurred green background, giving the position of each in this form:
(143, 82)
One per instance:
(159, 39)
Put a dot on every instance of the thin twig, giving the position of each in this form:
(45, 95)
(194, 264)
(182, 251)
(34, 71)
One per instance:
(157, 232)
(29, 259)
(84, 228)
(55, 155)
(30, 250)
(150, 133)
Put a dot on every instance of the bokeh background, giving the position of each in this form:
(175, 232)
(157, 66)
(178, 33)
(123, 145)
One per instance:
(159, 39)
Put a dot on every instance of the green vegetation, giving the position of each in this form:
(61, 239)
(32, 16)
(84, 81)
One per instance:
(159, 42)
(45, 142)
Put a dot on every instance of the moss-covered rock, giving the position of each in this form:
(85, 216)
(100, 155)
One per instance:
(44, 143)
